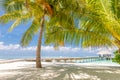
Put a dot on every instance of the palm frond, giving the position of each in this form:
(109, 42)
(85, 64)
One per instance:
(13, 5)
(97, 24)
(10, 17)
(33, 29)
(78, 37)
(16, 23)
(20, 20)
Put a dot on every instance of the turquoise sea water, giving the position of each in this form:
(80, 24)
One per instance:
(105, 63)
(28, 56)
(33, 55)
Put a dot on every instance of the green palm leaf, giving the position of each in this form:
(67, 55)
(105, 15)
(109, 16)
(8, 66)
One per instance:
(33, 29)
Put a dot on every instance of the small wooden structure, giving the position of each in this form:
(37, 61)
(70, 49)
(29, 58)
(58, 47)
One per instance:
(105, 55)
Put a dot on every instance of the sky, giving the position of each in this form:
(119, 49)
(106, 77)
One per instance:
(10, 45)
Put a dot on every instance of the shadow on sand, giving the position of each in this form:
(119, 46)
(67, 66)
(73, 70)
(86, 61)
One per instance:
(65, 72)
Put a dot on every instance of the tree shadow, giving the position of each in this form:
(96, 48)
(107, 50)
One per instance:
(72, 72)
(56, 72)
(63, 72)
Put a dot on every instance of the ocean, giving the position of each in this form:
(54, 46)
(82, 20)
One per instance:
(44, 55)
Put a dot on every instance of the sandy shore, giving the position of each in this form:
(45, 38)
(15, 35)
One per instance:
(25, 70)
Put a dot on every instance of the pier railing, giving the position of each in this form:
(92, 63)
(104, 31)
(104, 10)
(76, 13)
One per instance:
(76, 60)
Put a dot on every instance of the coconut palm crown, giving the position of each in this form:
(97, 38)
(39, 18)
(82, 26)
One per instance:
(42, 14)
(58, 20)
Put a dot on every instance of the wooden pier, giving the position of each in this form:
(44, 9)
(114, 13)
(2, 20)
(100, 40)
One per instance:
(75, 60)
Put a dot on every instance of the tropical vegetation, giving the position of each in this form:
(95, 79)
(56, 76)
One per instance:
(116, 57)
(92, 23)
(41, 13)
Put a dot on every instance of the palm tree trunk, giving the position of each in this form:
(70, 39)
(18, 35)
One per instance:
(118, 50)
(26, 3)
(38, 51)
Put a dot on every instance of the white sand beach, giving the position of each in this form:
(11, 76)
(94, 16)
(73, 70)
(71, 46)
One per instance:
(25, 70)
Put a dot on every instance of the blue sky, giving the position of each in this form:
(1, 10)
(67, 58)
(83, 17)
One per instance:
(9, 45)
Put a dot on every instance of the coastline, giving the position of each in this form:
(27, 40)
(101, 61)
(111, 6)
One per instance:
(32, 60)
(24, 69)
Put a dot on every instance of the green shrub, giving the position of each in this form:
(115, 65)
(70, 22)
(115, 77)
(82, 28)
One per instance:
(116, 57)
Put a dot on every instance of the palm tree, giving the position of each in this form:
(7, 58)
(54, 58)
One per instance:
(101, 18)
(91, 29)
(58, 13)
(18, 11)
(116, 11)
(111, 24)
(94, 28)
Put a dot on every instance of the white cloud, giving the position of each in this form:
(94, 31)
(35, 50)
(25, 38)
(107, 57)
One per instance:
(32, 48)
(8, 47)
(70, 49)
(1, 43)
(48, 50)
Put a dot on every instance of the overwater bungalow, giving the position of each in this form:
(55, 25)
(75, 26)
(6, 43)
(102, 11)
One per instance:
(105, 55)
